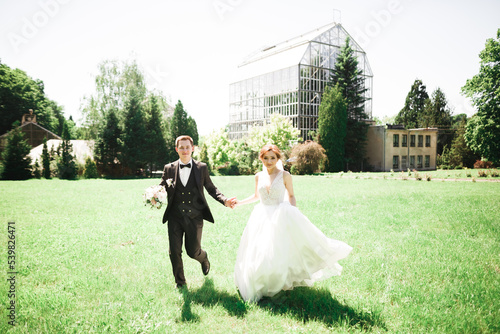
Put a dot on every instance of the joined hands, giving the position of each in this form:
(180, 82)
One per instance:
(231, 202)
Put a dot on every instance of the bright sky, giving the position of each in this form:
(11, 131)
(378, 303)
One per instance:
(190, 49)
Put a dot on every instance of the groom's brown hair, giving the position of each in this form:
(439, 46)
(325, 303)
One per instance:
(183, 137)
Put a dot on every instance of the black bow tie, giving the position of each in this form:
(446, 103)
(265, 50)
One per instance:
(186, 165)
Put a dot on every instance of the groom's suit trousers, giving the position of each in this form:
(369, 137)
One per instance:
(185, 220)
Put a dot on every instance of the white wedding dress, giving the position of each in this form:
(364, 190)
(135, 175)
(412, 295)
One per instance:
(281, 249)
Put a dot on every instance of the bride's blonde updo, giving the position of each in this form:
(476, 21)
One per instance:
(268, 148)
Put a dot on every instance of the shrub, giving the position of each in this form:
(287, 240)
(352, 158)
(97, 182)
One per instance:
(494, 173)
(307, 157)
(482, 173)
(90, 170)
(36, 170)
(228, 169)
(428, 177)
(482, 164)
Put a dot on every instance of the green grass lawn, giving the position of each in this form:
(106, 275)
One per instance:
(90, 258)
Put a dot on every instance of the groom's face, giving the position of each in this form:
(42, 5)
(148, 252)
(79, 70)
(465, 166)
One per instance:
(184, 149)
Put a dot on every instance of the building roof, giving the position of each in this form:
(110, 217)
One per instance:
(401, 127)
(32, 124)
(34, 134)
(293, 52)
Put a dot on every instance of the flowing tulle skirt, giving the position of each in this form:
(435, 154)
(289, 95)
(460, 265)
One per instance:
(281, 249)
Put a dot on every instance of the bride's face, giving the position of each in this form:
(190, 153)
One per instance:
(270, 160)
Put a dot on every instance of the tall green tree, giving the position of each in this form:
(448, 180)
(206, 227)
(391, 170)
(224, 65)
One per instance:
(66, 165)
(460, 154)
(332, 127)
(180, 124)
(156, 146)
(414, 106)
(134, 137)
(193, 130)
(16, 159)
(204, 157)
(114, 84)
(483, 130)
(349, 77)
(179, 121)
(108, 146)
(45, 160)
(437, 114)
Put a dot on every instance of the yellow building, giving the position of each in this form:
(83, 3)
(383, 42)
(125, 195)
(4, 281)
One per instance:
(392, 147)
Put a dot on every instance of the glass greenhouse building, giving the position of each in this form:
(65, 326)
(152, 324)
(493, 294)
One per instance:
(289, 78)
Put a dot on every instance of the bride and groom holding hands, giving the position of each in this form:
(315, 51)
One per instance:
(280, 248)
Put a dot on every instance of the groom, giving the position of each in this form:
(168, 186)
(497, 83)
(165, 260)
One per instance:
(187, 207)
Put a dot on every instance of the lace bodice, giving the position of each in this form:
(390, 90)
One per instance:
(273, 194)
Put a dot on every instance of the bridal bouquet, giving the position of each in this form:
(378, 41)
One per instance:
(155, 196)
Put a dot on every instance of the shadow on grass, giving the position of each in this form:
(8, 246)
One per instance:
(306, 304)
(207, 295)
(303, 303)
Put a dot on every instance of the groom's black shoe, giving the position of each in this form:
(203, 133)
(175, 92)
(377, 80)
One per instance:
(181, 286)
(205, 266)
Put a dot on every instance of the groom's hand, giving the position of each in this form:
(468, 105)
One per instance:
(231, 202)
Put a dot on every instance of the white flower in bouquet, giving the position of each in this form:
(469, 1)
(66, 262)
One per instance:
(170, 182)
(155, 196)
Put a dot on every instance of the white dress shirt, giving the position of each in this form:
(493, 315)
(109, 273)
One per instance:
(185, 172)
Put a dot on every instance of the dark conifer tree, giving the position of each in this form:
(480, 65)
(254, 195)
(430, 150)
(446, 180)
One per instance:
(414, 106)
(348, 76)
(45, 160)
(108, 145)
(16, 159)
(156, 146)
(66, 164)
(332, 127)
(134, 137)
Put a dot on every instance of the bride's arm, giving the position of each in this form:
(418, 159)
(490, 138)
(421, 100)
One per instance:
(254, 197)
(287, 179)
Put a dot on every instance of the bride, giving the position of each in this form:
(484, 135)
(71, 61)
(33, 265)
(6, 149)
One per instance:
(280, 248)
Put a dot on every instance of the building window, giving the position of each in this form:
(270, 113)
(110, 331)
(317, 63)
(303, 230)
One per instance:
(427, 161)
(419, 161)
(404, 162)
(412, 161)
(427, 141)
(412, 140)
(395, 162)
(405, 141)
(420, 141)
(395, 140)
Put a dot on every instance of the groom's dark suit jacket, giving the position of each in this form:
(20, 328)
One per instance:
(202, 177)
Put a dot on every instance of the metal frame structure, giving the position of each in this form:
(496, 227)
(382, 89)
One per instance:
(289, 79)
